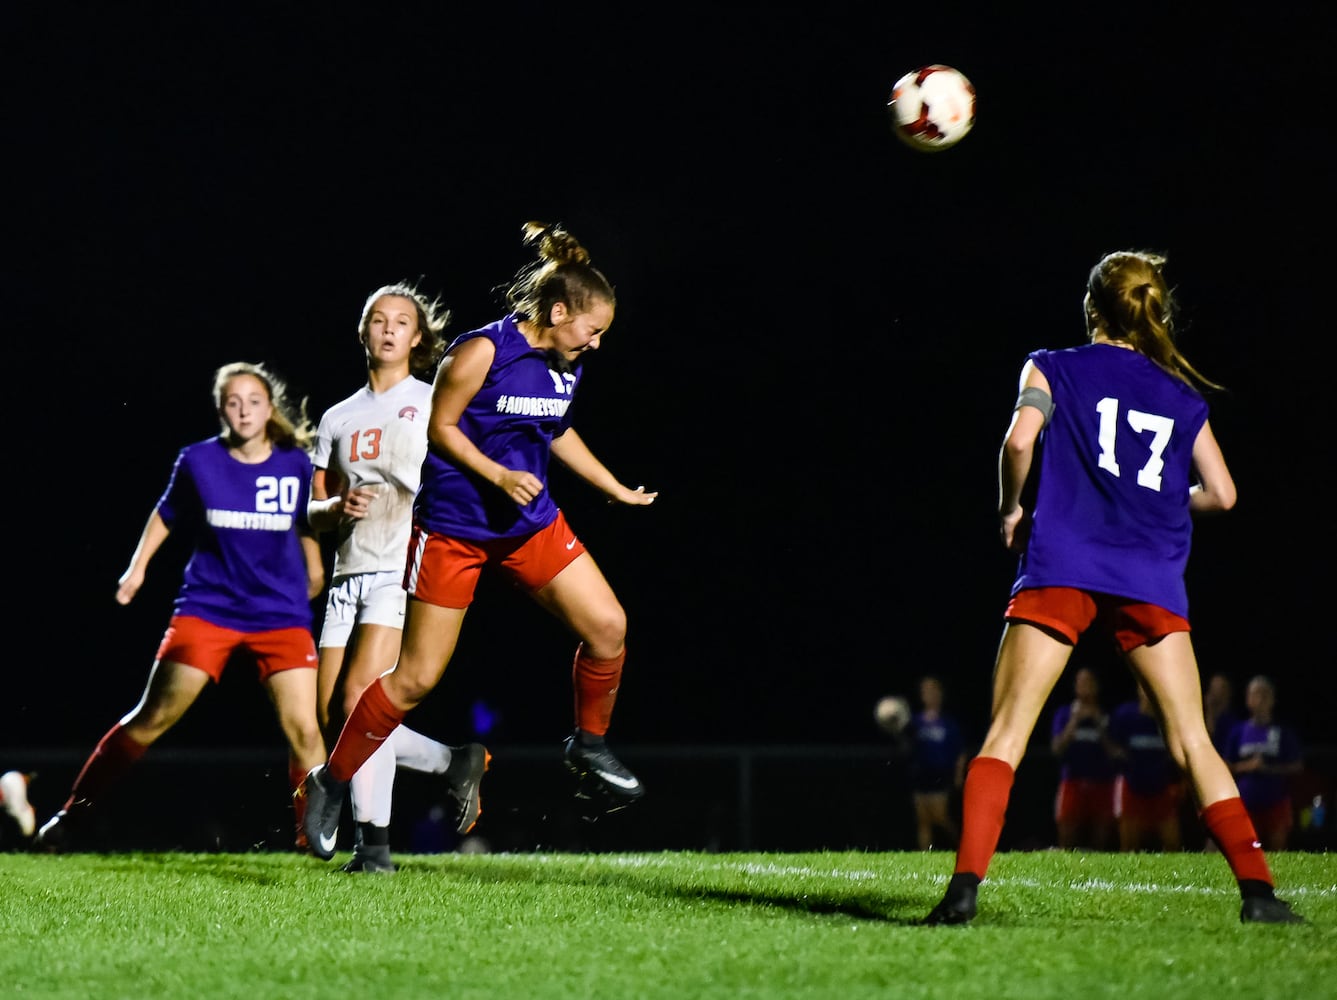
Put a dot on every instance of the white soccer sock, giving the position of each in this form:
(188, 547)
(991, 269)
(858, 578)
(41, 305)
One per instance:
(373, 785)
(418, 752)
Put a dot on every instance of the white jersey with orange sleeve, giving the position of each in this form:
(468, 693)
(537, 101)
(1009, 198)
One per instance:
(376, 441)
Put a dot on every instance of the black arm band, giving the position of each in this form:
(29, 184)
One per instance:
(1041, 400)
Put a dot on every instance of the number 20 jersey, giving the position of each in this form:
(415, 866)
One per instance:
(247, 571)
(1111, 502)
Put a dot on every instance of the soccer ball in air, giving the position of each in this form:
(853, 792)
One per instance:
(932, 108)
(892, 713)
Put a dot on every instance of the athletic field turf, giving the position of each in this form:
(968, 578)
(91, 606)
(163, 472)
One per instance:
(670, 925)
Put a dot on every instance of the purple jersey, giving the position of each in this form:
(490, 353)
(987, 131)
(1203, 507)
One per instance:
(1147, 765)
(522, 405)
(1278, 745)
(934, 748)
(247, 571)
(1225, 722)
(1085, 759)
(1111, 509)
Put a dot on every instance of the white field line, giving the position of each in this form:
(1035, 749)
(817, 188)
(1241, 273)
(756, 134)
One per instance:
(1079, 885)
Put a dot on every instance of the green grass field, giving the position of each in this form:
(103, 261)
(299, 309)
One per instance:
(671, 925)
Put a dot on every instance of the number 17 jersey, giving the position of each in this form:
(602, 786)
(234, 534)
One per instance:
(1111, 502)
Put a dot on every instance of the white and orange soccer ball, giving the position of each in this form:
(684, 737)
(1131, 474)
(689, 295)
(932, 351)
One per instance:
(892, 713)
(932, 108)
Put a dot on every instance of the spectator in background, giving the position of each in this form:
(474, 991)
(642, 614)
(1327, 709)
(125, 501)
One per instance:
(1221, 715)
(931, 740)
(1218, 709)
(1149, 788)
(1263, 755)
(1084, 805)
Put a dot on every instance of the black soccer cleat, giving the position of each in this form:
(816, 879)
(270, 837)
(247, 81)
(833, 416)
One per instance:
(1261, 910)
(370, 859)
(55, 835)
(324, 805)
(464, 779)
(604, 781)
(958, 903)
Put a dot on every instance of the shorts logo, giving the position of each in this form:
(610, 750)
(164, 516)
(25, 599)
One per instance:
(570, 545)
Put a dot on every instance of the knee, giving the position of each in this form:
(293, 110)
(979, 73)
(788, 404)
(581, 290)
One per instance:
(144, 731)
(606, 635)
(302, 729)
(147, 724)
(349, 703)
(1190, 749)
(404, 689)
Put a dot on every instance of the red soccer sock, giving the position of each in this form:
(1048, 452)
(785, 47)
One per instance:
(1229, 825)
(595, 683)
(983, 806)
(115, 754)
(371, 722)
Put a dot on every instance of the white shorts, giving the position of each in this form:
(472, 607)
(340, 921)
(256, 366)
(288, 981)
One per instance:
(362, 599)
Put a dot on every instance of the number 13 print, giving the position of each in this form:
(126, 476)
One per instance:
(364, 445)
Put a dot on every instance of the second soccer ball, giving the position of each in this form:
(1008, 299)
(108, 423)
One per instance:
(892, 713)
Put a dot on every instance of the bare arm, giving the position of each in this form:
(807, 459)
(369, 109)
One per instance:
(1015, 459)
(324, 511)
(1215, 488)
(571, 449)
(1078, 713)
(1285, 767)
(315, 566)
(458, 379)
(150, 540)
(1258, 764)
(1060, 741)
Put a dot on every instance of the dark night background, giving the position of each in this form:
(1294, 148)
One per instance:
(817, 343)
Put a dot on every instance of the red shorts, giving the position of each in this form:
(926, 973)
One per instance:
(1147, 810)
(1070, 612)
(205, 646)
(444, 571)
(1081, 800)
